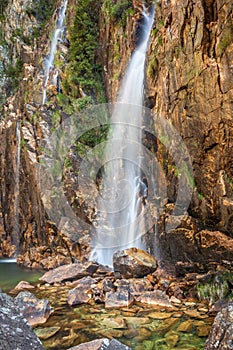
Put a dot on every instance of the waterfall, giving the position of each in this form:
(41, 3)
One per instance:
(48, 62)
(120, 220)
(16, 228)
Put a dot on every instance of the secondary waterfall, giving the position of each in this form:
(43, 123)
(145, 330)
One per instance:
(16, 228)
(120, 220)
(48, 62)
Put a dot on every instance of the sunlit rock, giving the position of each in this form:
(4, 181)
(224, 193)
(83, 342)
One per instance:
(118, 299)
(24, 285)
(156, 297)
(70, 272)
(82, 293)
(36, 311)
(133, 262)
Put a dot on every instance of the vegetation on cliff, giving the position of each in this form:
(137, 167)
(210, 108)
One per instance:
(84, 69)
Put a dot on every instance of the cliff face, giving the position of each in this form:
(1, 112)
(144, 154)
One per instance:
(189, 82)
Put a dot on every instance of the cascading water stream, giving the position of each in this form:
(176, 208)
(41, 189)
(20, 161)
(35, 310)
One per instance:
(120, 205)
(16, 228)
(48, 62)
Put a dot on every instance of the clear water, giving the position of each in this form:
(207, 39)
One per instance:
(11, 274)
(136, 327)
(120, 219)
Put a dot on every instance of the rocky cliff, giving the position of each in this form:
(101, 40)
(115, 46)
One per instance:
(188, 82)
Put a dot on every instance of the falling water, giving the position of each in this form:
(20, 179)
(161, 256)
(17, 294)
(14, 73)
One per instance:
(15, 233)
(120, 220)
(57, 34)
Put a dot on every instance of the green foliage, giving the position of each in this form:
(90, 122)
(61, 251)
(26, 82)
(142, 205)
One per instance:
(41, 9)
(91, 139)
(118, 11)
(3, 5)
(83, 69)
(13, 74)
(218, 287)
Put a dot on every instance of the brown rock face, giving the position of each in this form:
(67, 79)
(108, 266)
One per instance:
(133, 262)
(190, 80)
(221, 334)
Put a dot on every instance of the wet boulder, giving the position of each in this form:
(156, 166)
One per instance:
(118, 299)
(70, 272)
(133, 263)
(15, 332)
(82, 293)
(36, 311)
(221, 334)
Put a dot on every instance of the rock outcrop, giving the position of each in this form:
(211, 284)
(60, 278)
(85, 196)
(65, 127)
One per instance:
(221, 334)
(190, 83)
(15, 332)
(133, 262)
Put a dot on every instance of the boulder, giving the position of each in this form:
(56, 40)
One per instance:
(101, 344)
(70, 272)
(154, 298)
(221, 334)
(118, 299)
(36, 311)
(82, 293)
(15, 332)
(133, 263)
(24, 285)
(133, 285)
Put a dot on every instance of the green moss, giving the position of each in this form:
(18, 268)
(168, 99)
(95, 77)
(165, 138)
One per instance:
(218, 287)
(14, 73)
(225, 39)
(152, 69)
(3, 5)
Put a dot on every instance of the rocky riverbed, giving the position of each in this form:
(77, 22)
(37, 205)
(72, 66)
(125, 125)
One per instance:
(79, 303)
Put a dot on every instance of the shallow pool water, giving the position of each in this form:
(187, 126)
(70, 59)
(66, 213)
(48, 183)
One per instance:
(138, 327)
(11, 274)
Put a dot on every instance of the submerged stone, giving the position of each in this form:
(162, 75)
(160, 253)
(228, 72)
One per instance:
(101, 344)
(47, 332)
(133, 262)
